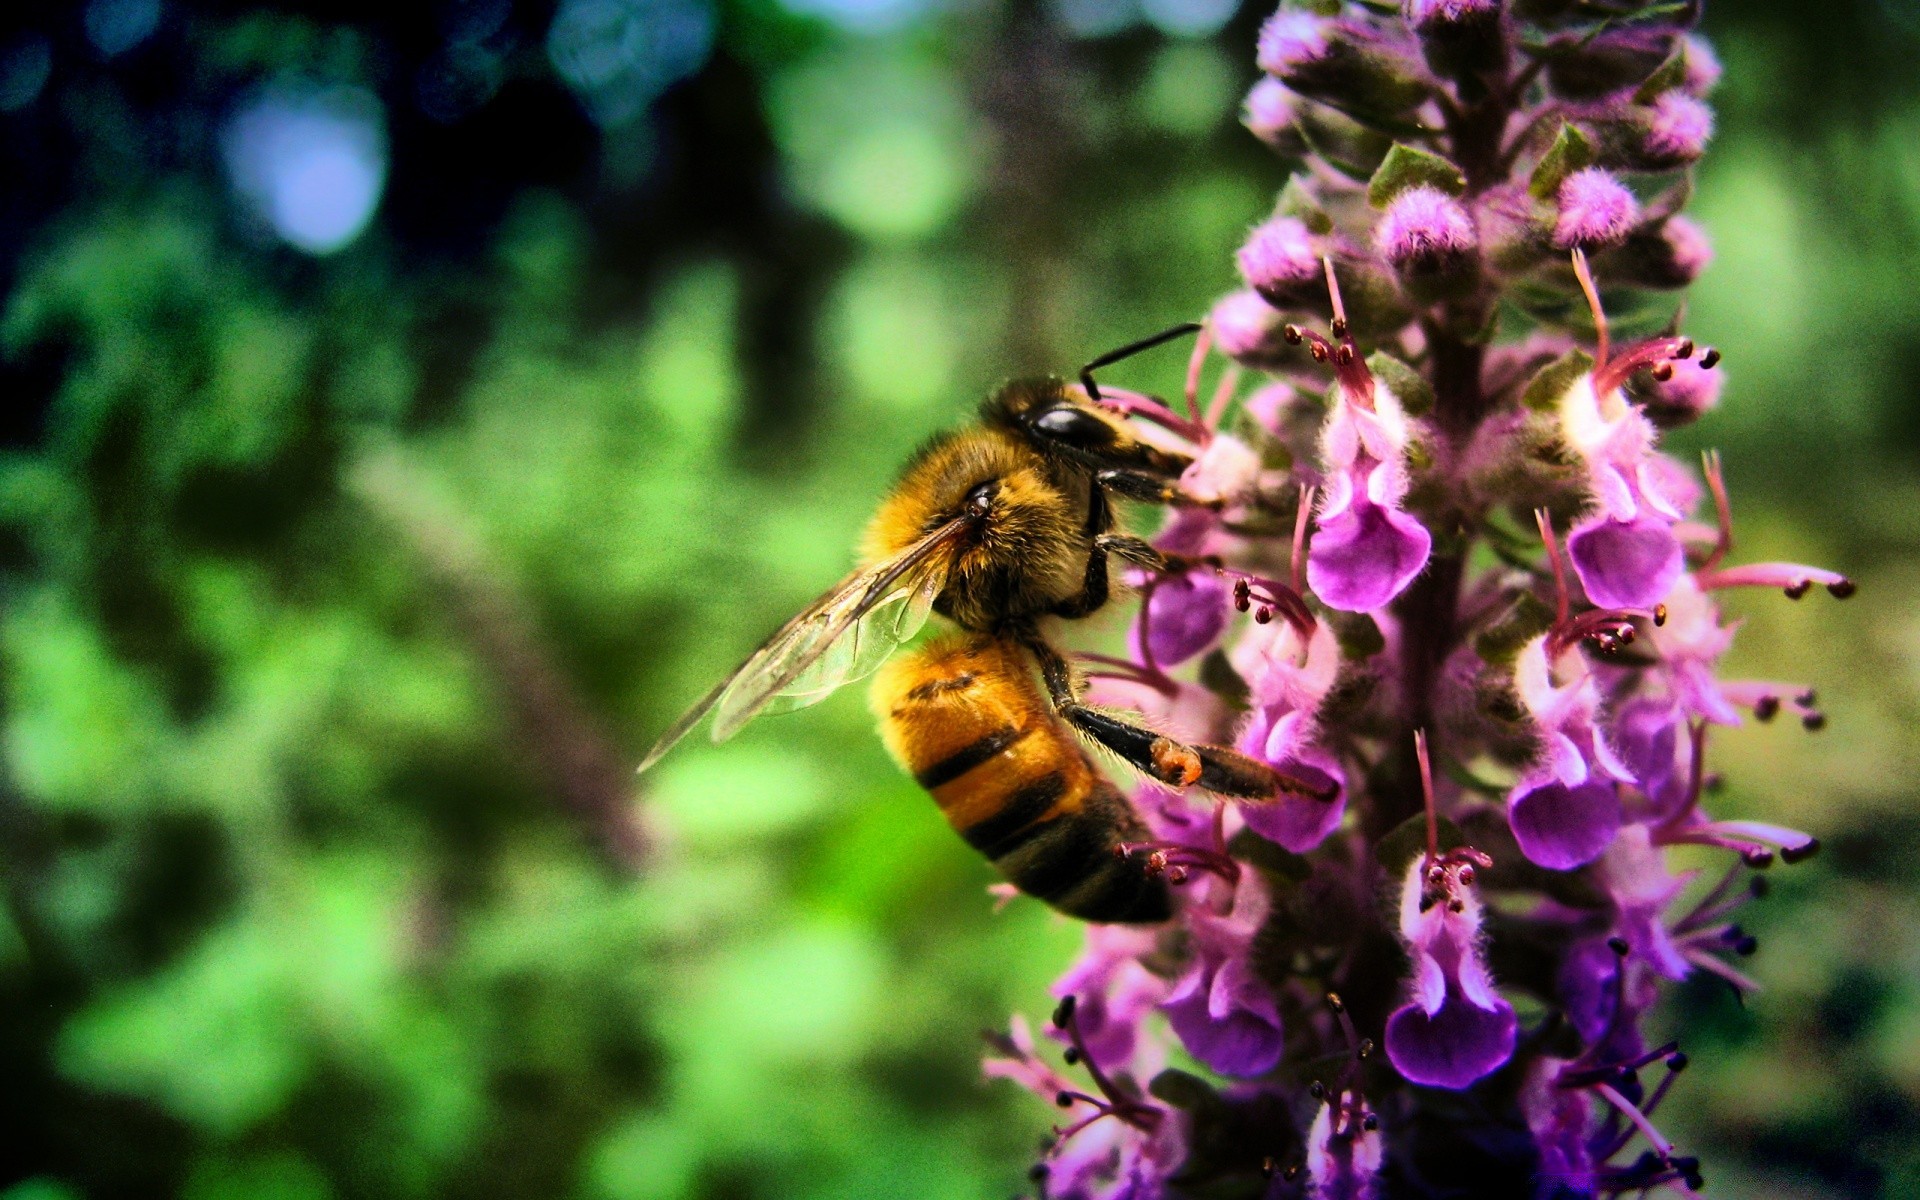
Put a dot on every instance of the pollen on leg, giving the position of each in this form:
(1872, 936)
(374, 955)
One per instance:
(1174, 763)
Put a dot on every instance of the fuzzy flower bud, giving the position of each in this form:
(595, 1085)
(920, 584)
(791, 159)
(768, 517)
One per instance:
(1280, 261)
(1289, 40)
(1596, 209)
(1426, 13)
(1269, 115)
(1677, 127)
(1703, 65)
(1424, 229)
(1245, 327)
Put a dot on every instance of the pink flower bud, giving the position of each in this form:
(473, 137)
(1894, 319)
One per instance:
(1423, 13)
(1289, 39)
(1279, 257)
(1703, 65)
(1268, 112)
(1245, 327)
(1424, 227)
(1677, 129)
(1596, 209)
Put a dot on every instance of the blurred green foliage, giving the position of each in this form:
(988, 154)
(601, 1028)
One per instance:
(339, 595)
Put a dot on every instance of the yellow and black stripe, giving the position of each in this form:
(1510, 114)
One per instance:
(963, 715)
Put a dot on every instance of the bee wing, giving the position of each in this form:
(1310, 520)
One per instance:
(843, 636)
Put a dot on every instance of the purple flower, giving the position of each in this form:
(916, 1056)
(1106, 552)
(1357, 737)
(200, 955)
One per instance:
(1280, 259)
(1691, 391)
(1365, 553)
(1345, 1152)
(1424, 228)
(1224, 1015)
(1288, 674)
(1455, 1028)
(1629, 563)
(1677, 128)
(1596, 210)
(1559, 1118)
(1366, 550)
(1290, 39)
(1183, 616)
(1112, 992)
(1566, 808)
(1563, 826)
(1634, 873)
(1646, 732)
(1626, 553)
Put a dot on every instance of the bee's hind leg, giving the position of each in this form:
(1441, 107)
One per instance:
(1176, 764)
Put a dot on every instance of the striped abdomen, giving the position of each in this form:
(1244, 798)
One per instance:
(965, 718)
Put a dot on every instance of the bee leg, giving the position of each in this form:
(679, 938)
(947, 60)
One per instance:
(1176, 764)
(1150, 488)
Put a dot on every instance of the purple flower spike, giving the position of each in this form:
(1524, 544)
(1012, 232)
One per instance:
(1455, 1029)
(1392, 433)
(1425, 228)
(1596, 210)
(1562, 827)
(1678, 127)
(1279, 258)
(1626, 564)
(1290, 39)
(1367, 555)
(1184, 617)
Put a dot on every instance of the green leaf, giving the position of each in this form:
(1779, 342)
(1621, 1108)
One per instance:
(1550, 383)
(1278, 863)
(1218, 676)
(1359, 637)
(1408, 386)
(1569, 153)
(1671, 74)
(1528, 618)
(1406, 167)
(1183, 1090)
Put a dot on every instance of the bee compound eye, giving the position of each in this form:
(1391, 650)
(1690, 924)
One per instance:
(1073, 426)
(980, 498)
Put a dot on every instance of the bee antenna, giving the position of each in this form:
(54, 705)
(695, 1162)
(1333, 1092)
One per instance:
(1128, 351)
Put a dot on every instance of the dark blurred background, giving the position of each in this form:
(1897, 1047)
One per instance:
(409, 407)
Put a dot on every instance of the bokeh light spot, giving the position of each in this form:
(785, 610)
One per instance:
(24, 68)
(619, 55)
(862, 16)
(310, 162)
(1189, 18)
(1095, 18)
(117, 26)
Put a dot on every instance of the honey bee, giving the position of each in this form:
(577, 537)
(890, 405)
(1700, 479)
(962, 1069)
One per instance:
(998, 526)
